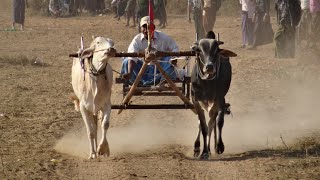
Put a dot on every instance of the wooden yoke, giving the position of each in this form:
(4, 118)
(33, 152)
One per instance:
(157, 54)
(142, 54)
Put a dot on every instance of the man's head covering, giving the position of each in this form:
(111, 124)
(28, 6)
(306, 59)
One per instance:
(144, 20)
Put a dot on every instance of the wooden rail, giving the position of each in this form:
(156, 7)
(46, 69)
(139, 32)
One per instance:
(142, 54)
(153, 106)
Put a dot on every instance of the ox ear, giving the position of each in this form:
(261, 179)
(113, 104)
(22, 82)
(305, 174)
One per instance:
(87, 53)
(111, 41)
(93, 37)
(227, 53)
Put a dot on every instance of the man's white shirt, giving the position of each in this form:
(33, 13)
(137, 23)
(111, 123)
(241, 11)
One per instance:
(248, 6)
(161, 42)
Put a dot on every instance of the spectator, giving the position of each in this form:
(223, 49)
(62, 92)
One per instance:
(304, 27)
(114, 6)
(66, 5)
(189, 9)
(56, 7)
(121, 6)
(315, 24)
(19, 7)
(210, 8)
(198, 19)
(262, 33)
(289, 13)
(130, 12)
(248, 8)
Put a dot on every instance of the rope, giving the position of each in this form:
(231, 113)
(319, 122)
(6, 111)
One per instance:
(116, 71)
(201, 74)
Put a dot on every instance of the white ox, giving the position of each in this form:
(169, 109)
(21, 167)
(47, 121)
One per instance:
(92, 91)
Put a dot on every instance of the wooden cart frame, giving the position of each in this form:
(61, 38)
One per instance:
(183, 91)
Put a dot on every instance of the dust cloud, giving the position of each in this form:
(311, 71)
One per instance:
(293, 114)
(148, 129)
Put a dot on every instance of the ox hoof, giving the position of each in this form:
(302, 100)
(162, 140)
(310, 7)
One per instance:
(204, 156)
(103, 149)
(196, 153)
(220, 148)
(92, 156)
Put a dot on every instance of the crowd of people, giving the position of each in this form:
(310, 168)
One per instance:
(297, 20)
(136, 9)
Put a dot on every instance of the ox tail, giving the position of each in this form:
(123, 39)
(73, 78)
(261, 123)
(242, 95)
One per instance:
(75, 100)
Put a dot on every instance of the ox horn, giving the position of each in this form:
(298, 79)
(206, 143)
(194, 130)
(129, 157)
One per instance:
(87, 52)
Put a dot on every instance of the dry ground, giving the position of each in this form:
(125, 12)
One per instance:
(42, 137)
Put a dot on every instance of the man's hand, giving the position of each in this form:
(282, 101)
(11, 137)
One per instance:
(150, 55)
(174, 62)
(131, 65)
(126, 76)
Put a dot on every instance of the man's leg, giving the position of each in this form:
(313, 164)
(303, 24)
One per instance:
(315, 28)
(279, 39)
(189, 9)
(244, 28)
(128, 66)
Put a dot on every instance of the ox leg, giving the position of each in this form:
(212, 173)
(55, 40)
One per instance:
(200, 113)
(103, 148)
(220, 121)
(204, 130)
(95, 125)
(197, 143)
(91, 129)
(128, 17)
(212, 126)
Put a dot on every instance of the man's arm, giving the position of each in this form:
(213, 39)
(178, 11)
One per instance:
(133, 47)
(174, 46)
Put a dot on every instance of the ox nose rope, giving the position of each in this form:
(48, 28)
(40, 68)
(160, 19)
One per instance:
(204, 76)
(116, 71)
(106, 49)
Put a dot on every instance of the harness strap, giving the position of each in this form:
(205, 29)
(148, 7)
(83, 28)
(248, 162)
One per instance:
(201, 74)
(95, 72)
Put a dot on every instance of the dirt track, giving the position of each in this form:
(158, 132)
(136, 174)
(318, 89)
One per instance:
(41, 136)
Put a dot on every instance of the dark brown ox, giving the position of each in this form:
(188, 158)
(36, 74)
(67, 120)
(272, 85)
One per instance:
(211, 78)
